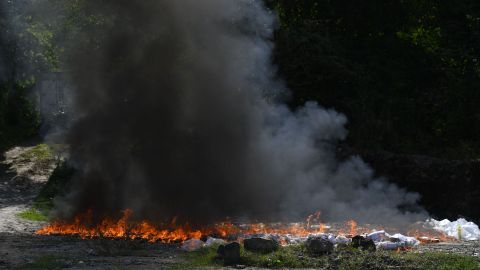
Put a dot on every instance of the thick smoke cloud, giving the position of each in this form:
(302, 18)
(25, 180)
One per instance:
(179, 115)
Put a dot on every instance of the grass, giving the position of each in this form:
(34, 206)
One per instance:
(291, 257)
(205, 257)
(33, 214)
(348, 259)
(39, 153)
(442, 261)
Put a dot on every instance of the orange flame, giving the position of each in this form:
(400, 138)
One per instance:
(353, 227)
(84, 227)
(123, 228)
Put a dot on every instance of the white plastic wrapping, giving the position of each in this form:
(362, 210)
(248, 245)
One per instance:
(460, 229)
(388, 245)
(406, 241)
(377, 236)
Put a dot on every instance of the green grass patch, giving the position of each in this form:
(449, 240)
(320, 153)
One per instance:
(39, 153)
(440, 261)
(290, 256)
(298, 257)
(33, 214)
(205, 257)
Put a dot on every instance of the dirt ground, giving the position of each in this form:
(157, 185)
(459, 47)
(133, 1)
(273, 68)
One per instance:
(20, 248)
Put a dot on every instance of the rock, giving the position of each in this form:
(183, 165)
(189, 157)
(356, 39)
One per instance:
(214, 241)
(363, 243)
(230, 253)
(319, 245)
(342, 240)
(92, 252)
(260, 245)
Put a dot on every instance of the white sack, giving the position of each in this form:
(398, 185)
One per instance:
(387, 245)
(404, 240)
(460, 229)
(377, 236)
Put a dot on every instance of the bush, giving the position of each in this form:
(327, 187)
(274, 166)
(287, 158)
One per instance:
(19, 119)
(56, 186)
(406, 73)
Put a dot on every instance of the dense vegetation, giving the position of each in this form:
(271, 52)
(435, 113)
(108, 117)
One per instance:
(24, 51)
(405, 72)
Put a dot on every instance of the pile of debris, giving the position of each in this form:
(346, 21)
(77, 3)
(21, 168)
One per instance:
(460, 229)
(325, 243)
(322, 241)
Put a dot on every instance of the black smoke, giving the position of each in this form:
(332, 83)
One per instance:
(179, 113)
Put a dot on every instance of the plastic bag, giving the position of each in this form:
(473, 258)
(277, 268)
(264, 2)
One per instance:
(460, 229)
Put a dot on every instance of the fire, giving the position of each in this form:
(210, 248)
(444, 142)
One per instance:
(120, 228)
(429, 237)
(353, 227)
(126, 228)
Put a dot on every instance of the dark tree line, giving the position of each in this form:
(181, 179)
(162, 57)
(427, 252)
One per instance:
(405, 72)
(18, 118)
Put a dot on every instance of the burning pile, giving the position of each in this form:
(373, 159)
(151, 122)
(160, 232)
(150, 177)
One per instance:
(282, 233)
(191, 116)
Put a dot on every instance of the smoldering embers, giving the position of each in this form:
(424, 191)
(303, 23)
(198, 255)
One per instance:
(179, 116)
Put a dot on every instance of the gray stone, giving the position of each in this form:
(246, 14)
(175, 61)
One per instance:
(260, 245)
(319, 245)
(230, 253)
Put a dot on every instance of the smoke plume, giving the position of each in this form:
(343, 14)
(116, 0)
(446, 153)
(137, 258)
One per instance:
(179, 113)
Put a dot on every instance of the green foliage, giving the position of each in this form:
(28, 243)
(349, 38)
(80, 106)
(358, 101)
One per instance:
(406, 73)
(38, 154)
(441, 261)
(408, 260)
(290, 256)
(19, 119)
(205, 257)
(48, 52)
(33, 214)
